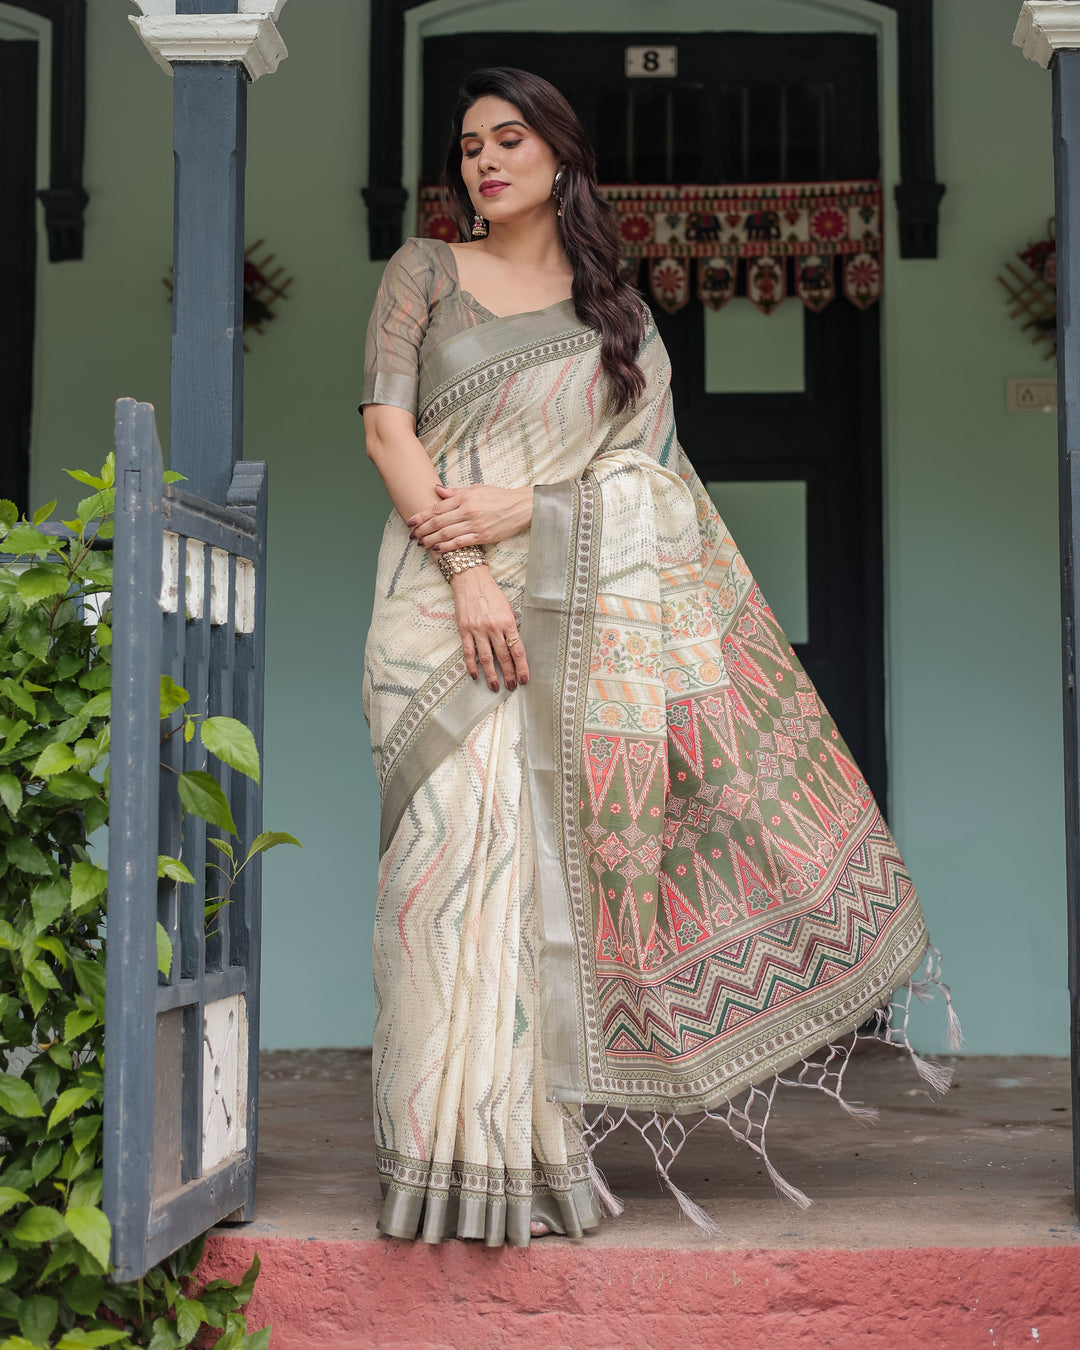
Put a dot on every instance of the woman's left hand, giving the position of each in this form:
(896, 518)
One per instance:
(477, 514)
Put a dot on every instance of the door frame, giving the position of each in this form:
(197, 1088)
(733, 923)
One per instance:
(395, 58)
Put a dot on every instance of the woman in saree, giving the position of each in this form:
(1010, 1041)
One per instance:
(629, 870)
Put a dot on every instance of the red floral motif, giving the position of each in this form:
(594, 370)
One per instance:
(828, 223)
(636, 229)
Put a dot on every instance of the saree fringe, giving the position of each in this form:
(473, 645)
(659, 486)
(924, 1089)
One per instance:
(748, 1119)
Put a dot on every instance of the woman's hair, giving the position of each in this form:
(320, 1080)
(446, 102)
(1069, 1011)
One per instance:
(602, 296)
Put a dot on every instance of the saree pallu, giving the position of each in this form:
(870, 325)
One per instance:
(649, 881)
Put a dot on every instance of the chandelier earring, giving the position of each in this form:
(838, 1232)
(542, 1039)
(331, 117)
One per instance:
(479, 226)
(558, 188)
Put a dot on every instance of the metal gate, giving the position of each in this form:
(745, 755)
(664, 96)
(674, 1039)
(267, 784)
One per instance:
(181, 1081)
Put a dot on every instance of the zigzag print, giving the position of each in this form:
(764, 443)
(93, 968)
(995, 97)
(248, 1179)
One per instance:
(774, 967)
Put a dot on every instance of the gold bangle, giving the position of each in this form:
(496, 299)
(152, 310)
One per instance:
(460, 560)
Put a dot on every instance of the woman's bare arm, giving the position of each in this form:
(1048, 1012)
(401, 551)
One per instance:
(392, 446)
(485, 619)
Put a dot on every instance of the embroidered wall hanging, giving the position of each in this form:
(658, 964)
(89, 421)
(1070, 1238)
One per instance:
(830, 231)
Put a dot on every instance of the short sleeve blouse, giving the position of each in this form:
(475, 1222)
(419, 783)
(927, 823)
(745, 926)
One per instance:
(418, 299)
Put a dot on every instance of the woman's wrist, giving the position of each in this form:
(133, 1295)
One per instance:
(458, 560)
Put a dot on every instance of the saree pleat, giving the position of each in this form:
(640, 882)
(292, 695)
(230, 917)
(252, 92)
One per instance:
(649, 881)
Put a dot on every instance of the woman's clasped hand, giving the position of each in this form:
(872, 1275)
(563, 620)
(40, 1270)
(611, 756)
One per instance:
(473, 514)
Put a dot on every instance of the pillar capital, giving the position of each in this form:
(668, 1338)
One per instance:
(247, 35)
(1047, 26)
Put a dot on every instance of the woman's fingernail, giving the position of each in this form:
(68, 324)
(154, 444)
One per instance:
(511, 686)
(524, 679)
(411, 521)
(493, 686)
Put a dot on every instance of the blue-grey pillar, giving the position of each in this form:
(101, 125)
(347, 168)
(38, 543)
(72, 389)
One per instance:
(1050, 35)
(1066, 79)
(213, 49)
(206, 434)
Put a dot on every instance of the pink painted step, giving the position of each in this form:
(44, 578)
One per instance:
(384, 1295)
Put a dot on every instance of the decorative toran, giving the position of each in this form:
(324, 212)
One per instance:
(826, 229)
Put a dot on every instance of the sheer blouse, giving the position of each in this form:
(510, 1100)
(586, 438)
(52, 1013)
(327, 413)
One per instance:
(419, 303)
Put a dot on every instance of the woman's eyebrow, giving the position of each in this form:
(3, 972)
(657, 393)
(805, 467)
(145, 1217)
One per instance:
(465, 135)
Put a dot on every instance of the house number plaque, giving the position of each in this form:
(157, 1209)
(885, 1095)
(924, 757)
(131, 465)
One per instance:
(647, 61)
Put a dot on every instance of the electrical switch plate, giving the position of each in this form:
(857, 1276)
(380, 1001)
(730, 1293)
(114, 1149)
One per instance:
(1039, 395)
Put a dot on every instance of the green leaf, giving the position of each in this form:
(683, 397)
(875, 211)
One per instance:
(78, 1023)
(201, 795)
(84, 1131)
(9, 1198)
(17, 1097)
(164, 950)
(43, 973)
(100, 504)
(38, 583)
(271, 839)
(257, 1340)
(173, 868)
(108, 469)
(46, 1080)
(40, 1224)
(21, 1343)
(32, 635)
(90, 977)
(164, 1337)
(14, 735)
(88, 881)
(35, 991)
(223, 845)
(8, 1266)
(246, 1287)
(27, 857)
(233, 743)
(190, 1316)
(91, 1228)
(27, 539)
(50, 899)
(46, 1160)
(54, 758)
(97, 677)
(54, 947)
(18, 695)
(67, 1104)
(10, 793)
(172, 695)
(37, 1317)
(9, 514)
(81, 476)
(74, 786)
(79, 1339)
(95, 812)
(83, 1293)
(43, 513)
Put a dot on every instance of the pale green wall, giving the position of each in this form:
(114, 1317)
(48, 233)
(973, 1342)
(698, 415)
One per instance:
(970, 492)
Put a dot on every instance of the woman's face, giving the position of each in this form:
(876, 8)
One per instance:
(507, 167)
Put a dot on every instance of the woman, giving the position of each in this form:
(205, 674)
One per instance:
(628, 863)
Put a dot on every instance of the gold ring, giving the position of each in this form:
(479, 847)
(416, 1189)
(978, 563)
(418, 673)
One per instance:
(510, 641)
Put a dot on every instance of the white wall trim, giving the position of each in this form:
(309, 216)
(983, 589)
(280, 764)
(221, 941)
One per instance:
(1047, 26)
(252, 39)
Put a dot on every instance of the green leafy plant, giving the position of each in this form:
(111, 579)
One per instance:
(55, 677)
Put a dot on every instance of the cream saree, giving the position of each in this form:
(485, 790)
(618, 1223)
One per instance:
(648, 882)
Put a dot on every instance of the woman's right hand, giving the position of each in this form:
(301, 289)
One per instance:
(488, 629)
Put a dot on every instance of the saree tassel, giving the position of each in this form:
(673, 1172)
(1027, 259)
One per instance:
(693, 1211)
(954, 1032)
(922, 989)
(784, 1187)
(610, 1202)
(869, 1114)
(937, 1075)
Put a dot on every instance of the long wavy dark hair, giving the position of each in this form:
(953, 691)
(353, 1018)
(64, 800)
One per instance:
(602, 297)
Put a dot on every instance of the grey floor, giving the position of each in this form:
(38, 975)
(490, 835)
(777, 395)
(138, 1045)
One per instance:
(988, 1165)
